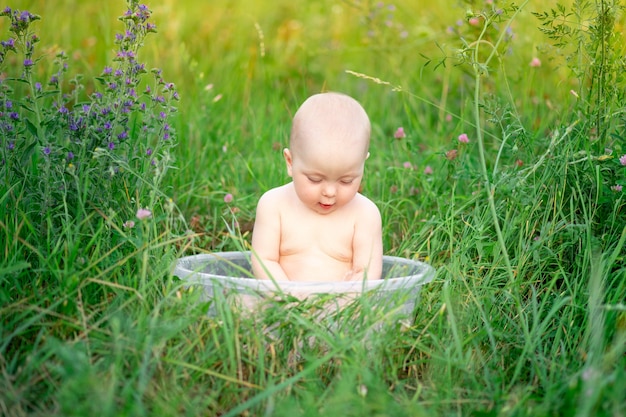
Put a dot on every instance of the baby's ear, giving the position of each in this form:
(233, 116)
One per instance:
(288, 160)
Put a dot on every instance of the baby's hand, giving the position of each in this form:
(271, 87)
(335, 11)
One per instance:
(353, 275)
(349, 276)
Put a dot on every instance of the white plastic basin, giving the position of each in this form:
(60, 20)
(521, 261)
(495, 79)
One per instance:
(228, 274)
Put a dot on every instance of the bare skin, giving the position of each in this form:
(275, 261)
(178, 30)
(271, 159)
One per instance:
(318, 227)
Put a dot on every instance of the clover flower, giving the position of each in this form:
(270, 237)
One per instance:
(622, 160)
(535, 62)
(228, 198)
(452, 154)
(399, 133)
(143, 213)
(463, 138)
(617, 188)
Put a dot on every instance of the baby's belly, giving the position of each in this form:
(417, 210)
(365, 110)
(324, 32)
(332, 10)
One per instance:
(317, 267)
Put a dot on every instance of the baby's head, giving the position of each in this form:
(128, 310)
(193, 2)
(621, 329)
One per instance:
(328, 147)
(333, 122)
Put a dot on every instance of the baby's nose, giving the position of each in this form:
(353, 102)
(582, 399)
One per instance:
(329, 190)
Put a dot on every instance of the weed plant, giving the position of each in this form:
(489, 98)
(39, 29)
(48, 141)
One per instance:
(497, 156)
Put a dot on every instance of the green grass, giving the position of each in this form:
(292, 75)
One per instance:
(525, 315)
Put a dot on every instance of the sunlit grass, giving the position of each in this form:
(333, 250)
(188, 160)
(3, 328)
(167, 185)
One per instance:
(525, 320)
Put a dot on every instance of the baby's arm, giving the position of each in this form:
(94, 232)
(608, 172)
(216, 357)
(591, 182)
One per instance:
(266, 239)
(367, 244)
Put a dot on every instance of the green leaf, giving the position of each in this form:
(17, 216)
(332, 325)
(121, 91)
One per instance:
(26, 107)
(20, 80)
(17, 267)
(28, 152)
(48, 93)
(32, 128)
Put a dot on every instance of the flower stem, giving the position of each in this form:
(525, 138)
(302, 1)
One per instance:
(479, 70)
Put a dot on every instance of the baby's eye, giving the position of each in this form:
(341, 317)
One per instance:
(347, 182)
(314, 180)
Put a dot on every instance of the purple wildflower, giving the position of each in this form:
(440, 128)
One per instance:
(8, 44)
(25, 16)
(28, 62)
(47, 150)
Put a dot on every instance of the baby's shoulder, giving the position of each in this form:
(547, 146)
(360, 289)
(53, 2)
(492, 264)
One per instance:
(365, 208)
(275, 196)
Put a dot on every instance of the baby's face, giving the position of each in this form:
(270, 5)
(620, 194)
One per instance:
(325, 178)
(329, 140)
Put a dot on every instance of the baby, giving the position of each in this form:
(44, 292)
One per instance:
(319, 227)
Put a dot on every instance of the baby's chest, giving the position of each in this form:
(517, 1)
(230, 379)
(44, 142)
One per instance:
(326, 234)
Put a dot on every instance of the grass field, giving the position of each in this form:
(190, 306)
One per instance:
(524, 221)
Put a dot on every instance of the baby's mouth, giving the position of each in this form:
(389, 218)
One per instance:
(326, 206)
